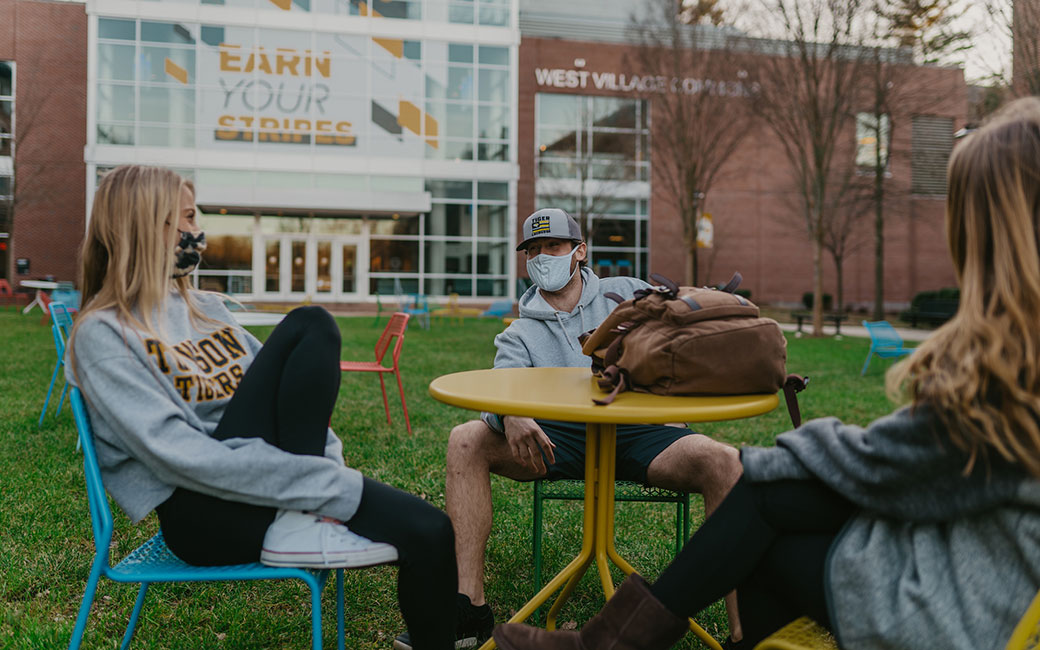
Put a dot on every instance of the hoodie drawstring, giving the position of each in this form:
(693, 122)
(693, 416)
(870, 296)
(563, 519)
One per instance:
(581, 314)
(562, 327)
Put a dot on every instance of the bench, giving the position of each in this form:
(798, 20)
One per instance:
(934, 311)
(833, 317)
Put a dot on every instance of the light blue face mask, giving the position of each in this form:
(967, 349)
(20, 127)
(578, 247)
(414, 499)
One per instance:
(551, 272)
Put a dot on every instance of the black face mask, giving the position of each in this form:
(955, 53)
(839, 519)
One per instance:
(188, 253)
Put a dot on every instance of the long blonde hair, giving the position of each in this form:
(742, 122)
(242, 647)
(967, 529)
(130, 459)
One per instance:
(981, 370)
(127, 255)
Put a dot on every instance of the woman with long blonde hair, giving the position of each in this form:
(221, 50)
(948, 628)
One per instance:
(225, 438)
(921, 530)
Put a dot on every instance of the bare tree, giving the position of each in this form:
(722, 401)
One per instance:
(806, 95)
(700, 105)
(904, 33)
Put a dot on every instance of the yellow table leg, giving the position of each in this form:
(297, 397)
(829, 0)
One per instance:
(597, 535)
(605, 527)
(568, 578)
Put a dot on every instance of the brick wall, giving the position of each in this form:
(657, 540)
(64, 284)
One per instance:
(758, 227)
(48, 43)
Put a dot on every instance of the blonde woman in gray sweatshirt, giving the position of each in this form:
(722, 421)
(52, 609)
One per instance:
(225, 438)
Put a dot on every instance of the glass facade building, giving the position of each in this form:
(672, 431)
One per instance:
(338, 148)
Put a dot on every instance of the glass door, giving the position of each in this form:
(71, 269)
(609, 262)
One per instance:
(298, 266)
(273, 266)
(323, 268)
(349, 280)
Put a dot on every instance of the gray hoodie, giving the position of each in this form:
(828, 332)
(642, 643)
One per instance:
(154, 404)
(545, 338)
(934, 559)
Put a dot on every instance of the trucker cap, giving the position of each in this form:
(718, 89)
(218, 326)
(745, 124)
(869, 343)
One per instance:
(550, 222)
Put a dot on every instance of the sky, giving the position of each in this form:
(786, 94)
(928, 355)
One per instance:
(992, 51)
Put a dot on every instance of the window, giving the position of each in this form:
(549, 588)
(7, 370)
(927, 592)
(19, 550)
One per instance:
(591, 152)
(869, 130)
(466, 238)
(6, 107)
(931, 144)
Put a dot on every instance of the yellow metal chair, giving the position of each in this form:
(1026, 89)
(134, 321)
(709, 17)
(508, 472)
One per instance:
(805, 634)
(799, 634)
(454, 310)
(1027, 633)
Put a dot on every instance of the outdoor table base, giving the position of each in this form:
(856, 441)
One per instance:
(597, 535)
(39, 286)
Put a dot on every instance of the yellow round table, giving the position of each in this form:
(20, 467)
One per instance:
(566, 394)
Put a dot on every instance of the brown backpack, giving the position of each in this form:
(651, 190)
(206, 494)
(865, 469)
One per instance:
(672, 340)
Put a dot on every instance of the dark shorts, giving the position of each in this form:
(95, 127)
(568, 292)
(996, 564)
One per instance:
(637, 446)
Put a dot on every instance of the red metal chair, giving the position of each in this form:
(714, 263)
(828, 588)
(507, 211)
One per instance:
(395, 328)
(10, 297)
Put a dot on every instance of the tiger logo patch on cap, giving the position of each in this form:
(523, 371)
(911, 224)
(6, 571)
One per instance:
(540, 225)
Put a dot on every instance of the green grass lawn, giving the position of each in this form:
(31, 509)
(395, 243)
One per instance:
(45, 537)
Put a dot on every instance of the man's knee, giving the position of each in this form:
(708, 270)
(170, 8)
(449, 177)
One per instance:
(468, 440)
(695, 462)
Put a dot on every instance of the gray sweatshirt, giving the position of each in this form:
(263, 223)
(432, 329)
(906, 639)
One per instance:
(545, 338)
(154, 404)
(934, 559)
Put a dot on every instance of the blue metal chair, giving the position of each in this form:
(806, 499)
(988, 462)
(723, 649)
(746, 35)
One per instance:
(154, 562)
(416, 304)
(884, 342)
(61, 325)
(413, 304)
(498, 309)
(67, 295)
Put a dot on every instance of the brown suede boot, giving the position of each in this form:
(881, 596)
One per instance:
(632, 620)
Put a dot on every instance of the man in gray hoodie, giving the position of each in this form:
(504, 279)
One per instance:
(566, 300)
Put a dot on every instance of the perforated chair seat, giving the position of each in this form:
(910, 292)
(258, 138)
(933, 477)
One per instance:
(574, 490)
(153, 561)
(800, 634)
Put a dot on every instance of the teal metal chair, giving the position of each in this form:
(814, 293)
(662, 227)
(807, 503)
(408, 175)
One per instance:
(154, 562)
(61, 325)
(413, 304)
(884, 342)
(498, 309)
(573, 490)
(67, 295)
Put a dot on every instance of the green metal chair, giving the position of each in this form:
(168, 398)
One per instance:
(573, 490)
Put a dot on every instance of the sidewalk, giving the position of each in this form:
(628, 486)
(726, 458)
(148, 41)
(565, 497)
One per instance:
(860, 331)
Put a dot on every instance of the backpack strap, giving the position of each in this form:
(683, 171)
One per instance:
(611, 375)
(792, 385)
(733, 283)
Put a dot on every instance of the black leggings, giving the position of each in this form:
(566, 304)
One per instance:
(770, 542)
(286, 397)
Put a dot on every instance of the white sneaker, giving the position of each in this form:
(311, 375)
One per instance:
(302, 539)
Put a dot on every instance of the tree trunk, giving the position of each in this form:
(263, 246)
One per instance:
(817, 312)
(879, 229)
(691, 261)
(839, 277)
(879, 259)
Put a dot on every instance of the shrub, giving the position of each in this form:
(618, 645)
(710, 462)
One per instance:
(807, 300)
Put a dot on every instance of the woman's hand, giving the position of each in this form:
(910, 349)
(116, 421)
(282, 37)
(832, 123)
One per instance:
(528, 442)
